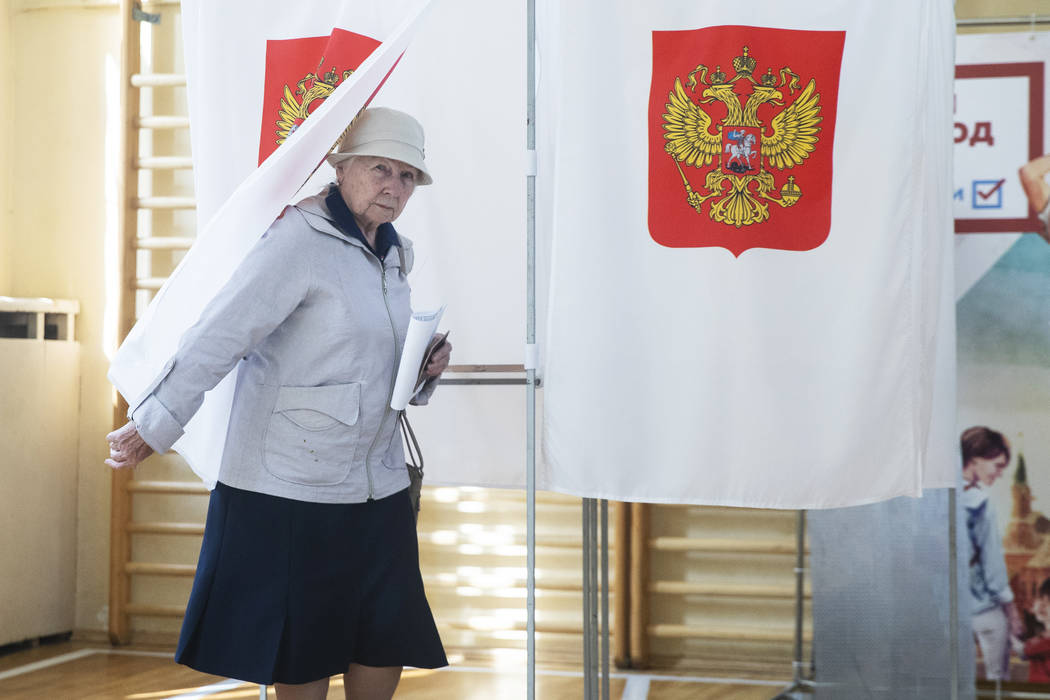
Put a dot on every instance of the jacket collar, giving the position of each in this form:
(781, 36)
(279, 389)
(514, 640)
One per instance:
(386, 236)
(317, 215)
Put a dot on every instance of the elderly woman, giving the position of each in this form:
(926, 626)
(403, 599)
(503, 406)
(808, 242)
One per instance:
(309, 565)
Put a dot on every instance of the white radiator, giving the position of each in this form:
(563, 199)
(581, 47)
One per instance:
(39, 415)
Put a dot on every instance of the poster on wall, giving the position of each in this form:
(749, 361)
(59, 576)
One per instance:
(1003, 320)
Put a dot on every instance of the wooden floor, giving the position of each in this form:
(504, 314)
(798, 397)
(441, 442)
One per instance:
(95, 672)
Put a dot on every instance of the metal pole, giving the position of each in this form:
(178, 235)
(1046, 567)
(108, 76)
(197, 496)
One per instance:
(530, 340)
(586, 564)
(605, 599)
(797, 664)
(593, 594)
(953, 595)
(262, 692)
(1019, 21)
(800, 594)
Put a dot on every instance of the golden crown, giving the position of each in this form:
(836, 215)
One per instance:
(745, 64)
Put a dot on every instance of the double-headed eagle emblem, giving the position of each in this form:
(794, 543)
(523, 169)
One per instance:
(313, 88)
(747, 148)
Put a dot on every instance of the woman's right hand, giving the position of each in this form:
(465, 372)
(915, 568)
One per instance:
(126, 447)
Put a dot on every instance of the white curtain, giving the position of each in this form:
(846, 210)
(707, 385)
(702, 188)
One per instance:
(802, 362)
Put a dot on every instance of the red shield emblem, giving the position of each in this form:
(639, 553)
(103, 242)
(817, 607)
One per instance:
(300, 74)
(741, 127)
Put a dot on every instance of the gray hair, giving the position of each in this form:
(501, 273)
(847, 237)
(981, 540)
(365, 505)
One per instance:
(341, 164)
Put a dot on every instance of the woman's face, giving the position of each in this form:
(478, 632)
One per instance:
(376, 189)
(987, 470)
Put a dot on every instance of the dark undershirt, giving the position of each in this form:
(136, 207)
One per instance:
(386, 236)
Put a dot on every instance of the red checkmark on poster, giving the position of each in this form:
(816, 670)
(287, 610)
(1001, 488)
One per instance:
(989, 193)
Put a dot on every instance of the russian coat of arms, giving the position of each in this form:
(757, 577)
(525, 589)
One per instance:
(739, 190)
(741, 132)
(300, 75)
(310, 92)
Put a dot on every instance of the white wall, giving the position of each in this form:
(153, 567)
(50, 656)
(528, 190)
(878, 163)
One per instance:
(5, 145)
(52, 242)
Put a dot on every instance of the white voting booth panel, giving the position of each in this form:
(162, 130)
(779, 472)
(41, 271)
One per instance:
(470, 426)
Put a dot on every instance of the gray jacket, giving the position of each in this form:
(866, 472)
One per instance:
(317, 323)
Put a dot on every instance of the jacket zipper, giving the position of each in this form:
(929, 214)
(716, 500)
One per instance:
(393, 377)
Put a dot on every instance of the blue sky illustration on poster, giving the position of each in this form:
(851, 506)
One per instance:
(1003, 325)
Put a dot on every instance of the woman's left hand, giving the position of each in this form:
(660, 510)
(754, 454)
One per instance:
(439, 360)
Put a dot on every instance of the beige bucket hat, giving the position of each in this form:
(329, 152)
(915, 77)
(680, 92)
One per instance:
(387, 133)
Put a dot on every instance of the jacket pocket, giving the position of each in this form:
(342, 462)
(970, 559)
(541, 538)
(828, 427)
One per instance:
(313, 433)
(389, 459)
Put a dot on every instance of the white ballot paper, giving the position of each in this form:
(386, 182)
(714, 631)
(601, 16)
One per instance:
(410, 377)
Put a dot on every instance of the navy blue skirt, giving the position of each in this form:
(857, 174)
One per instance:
(291, 592)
